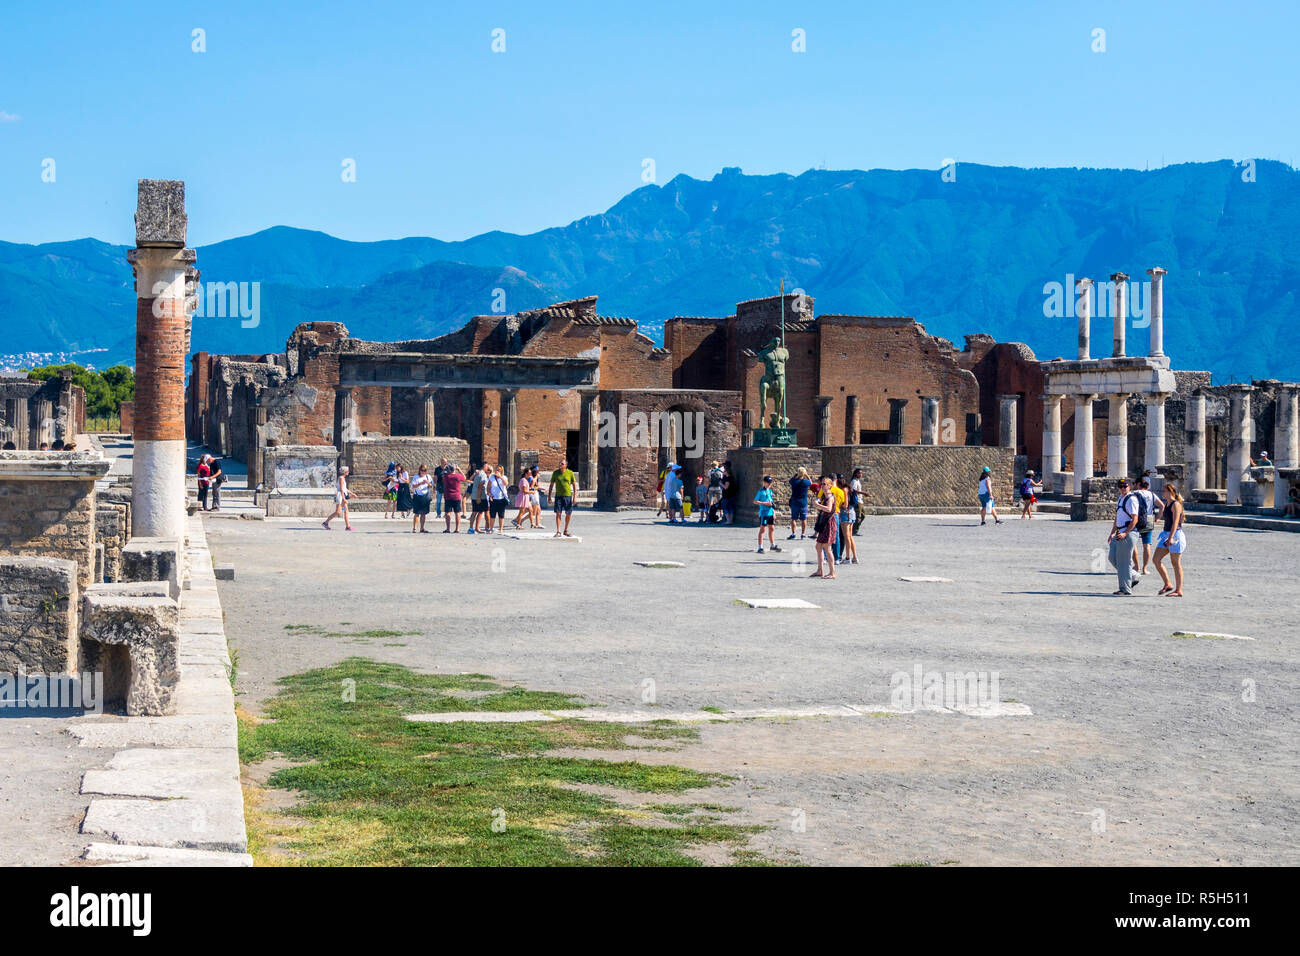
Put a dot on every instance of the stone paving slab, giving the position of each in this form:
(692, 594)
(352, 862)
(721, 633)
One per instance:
(210, 824)
(114, 854)
(793, 604)
(922, 580)
(163, 783)
(203, 730)
(190, 758)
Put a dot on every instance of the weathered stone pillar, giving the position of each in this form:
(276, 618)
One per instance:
(508, 442)
(44, 422)
(19, 427)
(1155, 446)
(1241, 431)
(823, 420)
(1119, 285)
(1051, 441)
(1082, 440)
(897, 420)
(1286, 440)
(65, 410)
(1156, 310)
(428, 420)
(746, 427)
(929, 420)
(852, 421)
(258, 420)
(1194, 456)
(345, 427)
(1084, 308)
(588, 435)
(161, 264)
(1117, 437)
(1007, 421)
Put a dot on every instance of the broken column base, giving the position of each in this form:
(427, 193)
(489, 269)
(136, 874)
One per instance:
(132, 640)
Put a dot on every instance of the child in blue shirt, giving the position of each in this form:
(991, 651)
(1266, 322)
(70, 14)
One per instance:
(766, 514)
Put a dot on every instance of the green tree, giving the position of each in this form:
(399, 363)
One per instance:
(105, 391)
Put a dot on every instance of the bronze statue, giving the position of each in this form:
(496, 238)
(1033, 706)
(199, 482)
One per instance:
(772, 385)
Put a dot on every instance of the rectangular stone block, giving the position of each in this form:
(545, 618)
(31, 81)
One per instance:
(160, 218)
(153, 559)
(133, 641)
(38, 615)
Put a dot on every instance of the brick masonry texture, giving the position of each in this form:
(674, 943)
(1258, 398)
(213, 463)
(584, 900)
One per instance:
(368, 459)
(39, 601)
(924, 477)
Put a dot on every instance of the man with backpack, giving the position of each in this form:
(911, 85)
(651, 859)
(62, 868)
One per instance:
(1124, 536)
(1146, 524)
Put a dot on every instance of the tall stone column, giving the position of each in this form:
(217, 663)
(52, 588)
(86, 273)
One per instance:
(1051, 442)
(1155, 446)
(44, 421)
(508, 442)
(1241, 431)
(16, 418)
(823, 420)
(1117, 437)
(1119, 284)
(852, 421)
(1194, 456)
(929, 420)
(1286, 440)
(162, 265)
(1156, 309)
(588, 435)
(1084, 308)
(897, 420)
(1007, 421)
(345, 427)
(428, 420)
(1082, 440)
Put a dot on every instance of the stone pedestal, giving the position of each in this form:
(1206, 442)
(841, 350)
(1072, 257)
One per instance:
(751, 464)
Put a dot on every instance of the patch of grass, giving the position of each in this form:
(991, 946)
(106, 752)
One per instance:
(378, 790)
(911, 863)
(710, 709)
(318, 629)
(1203, 637)
(234, 665)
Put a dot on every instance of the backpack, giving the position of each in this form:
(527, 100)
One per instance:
(715, 478)
(1027, 486)
(1144, 522)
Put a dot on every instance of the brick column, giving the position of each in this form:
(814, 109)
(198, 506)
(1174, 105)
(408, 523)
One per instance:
(508, 440)
(823, 420)
(1286, 440)
(930, 420)
(1194, 457)
(1156, 310)
(1082, 440)
(427, 417)
(1051, 442)
(1119, 283)
(1084, 308)
(588, 433)
(1117, 437)
(1007, 421)
(161, 264)
(852, 421)
(1241, 431)
(897, 420)
(1155, 449)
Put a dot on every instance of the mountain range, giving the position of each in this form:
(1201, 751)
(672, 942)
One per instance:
(970, 252)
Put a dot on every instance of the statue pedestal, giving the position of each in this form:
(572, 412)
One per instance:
(775, 438)
(752, 463)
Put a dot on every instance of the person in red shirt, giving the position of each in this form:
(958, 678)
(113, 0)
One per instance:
(204, 472)
(452, 481)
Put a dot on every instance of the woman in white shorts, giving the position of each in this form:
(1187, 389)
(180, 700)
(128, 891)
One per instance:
(1172, 541)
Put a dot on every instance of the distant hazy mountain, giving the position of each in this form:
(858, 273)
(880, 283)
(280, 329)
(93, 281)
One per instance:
(971, 255)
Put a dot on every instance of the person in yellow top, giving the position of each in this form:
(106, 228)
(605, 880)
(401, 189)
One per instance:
(841, 497)
(563, 483)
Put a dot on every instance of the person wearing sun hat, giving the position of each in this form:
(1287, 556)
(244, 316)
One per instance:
(1027, 497)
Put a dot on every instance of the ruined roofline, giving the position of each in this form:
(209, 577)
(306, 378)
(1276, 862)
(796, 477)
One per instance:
(891, 319)
(604, 320)
(699, 318)
(584, 305)
(773, 298)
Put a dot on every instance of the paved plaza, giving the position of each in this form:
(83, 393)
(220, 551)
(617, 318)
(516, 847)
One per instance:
(1118, 743)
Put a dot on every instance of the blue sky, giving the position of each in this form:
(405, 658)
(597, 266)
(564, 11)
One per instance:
(451, 139)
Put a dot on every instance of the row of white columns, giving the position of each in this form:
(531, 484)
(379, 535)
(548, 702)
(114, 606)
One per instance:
(1119, 282)
(1116, 436)
(1241, 434)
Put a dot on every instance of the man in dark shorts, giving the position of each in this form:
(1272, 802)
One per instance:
(452, 483)
(479, 500)
(730, 492)
(560, 491)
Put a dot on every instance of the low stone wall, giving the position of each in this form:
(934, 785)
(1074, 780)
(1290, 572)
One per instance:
(368, 458)
(903, 479)
(38, 615)
(749, 465)
(47, 507)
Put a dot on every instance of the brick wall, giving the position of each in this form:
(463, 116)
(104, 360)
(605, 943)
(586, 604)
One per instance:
(128, 418)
